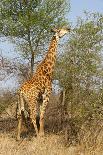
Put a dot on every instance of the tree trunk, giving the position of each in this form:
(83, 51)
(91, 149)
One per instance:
(32, 53)
(32, 62)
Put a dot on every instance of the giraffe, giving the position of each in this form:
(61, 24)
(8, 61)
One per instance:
(39, 85)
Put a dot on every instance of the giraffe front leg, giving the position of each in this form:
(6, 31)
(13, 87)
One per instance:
(35, 126)
(46, 97)
(33, 118)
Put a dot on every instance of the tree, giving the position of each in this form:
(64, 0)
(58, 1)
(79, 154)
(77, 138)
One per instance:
(79, 69)
(28, 22)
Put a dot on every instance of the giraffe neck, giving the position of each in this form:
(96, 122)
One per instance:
(47, 65)
(51, 55)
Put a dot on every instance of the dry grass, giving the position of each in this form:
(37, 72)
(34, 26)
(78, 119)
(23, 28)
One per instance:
(49, 145)
(90, 137)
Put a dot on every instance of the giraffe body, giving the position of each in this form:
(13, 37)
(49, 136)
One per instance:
(39, 84)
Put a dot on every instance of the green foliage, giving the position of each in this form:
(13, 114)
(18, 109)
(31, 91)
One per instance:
(29, 23)
(79, 69)
(34, 19)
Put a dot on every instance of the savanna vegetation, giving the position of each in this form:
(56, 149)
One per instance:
(74, 116)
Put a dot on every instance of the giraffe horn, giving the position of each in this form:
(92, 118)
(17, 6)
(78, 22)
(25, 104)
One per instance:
(68, 29)
(53, 30)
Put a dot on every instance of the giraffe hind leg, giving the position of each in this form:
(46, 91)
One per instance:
(20, 123)
(19, 115)
(19, 127)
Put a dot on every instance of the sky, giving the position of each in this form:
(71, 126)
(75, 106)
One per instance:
(77, 9)
(79, 6)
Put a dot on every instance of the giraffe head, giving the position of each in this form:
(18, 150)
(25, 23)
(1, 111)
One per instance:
(60, 32)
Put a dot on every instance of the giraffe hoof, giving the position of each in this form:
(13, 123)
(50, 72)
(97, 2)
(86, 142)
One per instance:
(18, 139)
(41, 134)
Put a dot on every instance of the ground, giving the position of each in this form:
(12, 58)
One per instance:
(54, 142)
(51, 144)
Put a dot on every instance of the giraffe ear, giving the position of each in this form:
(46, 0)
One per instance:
(54, 30)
